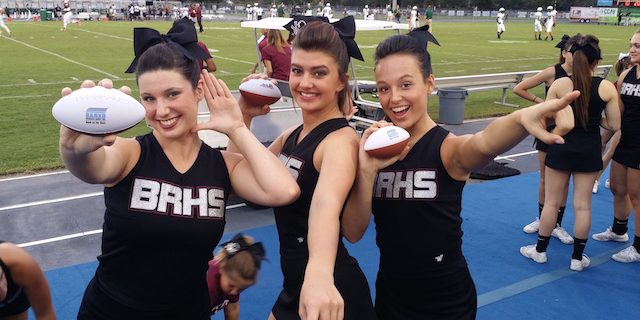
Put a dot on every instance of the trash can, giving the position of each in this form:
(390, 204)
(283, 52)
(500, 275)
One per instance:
(452, 105)
(43, 14)
(49, 15)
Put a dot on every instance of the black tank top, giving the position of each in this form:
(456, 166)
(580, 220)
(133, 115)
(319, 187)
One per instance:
(292, 220)
(416, 207)
(596, 105)
(161, 227)
(560, 73)
(16, 300)
(630, 95)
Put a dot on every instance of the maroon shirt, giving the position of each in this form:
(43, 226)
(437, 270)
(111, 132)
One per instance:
(218, 298)
(280, 62)
(204, 47)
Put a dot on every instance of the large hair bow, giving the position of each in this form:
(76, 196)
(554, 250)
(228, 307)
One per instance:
(299, 21)
(589, 51)
(423, 36)
(238, 243)
(563, 42)
(181, 33)
(346, 28)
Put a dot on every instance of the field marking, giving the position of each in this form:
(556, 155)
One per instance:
(104, 34)
(63, 57)
(89, 233)
(507, 41)
(34, 176)
(25, 97)
(236, 60)
(31, 81)
(43, 202)
(539, 280)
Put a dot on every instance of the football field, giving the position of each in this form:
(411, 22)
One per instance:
(39, 59)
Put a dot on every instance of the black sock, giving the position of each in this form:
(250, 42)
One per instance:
(540, 207)
(560, 216)
(619, 227)
(578, 248)
(636, 243)
(542, 244)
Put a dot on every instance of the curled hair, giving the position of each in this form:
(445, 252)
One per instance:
(321, 36)
(241, 263)
(583, 65)
(166, 56)
(406, 45)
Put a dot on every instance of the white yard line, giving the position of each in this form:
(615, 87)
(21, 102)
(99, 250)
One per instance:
(63, 57)
(34, 176)
(87, 233)
(25, 97)
(50, 201)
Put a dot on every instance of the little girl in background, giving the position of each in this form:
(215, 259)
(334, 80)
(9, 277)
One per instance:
(232, 270)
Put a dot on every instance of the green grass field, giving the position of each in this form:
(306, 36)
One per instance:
(39, 60)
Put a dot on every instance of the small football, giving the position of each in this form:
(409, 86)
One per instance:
(98, 110)
(259, 92)
(386, 142)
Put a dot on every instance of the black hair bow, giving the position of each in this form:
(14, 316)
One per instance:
(563, 42)
(589, 51)
(300, 21)
(346, 28)
(238, 243)
(423, 35)
(181, 33)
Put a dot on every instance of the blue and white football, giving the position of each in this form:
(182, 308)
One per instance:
(386, 142)
(98, 110)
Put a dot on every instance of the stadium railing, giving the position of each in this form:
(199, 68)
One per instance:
(505, 81)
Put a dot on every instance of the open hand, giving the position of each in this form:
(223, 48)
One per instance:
(535, 118)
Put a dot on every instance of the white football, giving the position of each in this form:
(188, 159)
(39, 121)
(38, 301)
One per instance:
(98, 110)
(259, 92)
(386, 142)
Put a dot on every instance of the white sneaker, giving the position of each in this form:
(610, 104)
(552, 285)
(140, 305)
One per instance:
(629, 254)
(531, 253)
(532, 227)
(609, 235)
(562, 234)
(579, 265)
(595, 186)
(607, 185)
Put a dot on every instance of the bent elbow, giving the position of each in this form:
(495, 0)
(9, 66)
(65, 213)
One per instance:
(351, 235)
(288, 195)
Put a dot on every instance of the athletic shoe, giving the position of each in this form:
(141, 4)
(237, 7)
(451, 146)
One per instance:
(609, 235)
(595, 187)
(607, 185)
(531, 253)
(629, 254)
(579, 265)
(532, 227)
(562, 235)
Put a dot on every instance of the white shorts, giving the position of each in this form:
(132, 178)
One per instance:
(537, 26)
(549, 26)
(501, 27)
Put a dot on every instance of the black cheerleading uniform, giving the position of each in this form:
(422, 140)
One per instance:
(16, 301)
(161, 227)
(581, 151)
(292, 223)
(628, 151)
(559, 73)
(416, 207)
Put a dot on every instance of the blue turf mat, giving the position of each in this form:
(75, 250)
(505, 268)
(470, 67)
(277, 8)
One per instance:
(509, 285)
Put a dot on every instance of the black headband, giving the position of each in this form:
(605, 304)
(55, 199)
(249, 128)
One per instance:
(182, 33)
(423, 36)
(238, 243)
(589, 51)
(563, 42)
(346, 28)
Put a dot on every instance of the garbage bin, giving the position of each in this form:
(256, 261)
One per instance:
(452, 105)
(43, 14)
(49, 15)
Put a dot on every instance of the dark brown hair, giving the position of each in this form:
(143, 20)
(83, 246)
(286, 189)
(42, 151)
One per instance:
(167, 56)
(241, 263)
(583, 65)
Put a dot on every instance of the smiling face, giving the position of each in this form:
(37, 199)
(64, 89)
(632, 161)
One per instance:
(170, 102)
(403, 90)
(315, 81)
(634, 49)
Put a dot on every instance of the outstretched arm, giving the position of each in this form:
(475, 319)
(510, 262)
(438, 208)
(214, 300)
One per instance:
(463, 154)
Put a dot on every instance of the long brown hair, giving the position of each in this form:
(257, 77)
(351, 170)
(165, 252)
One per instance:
(586, 55)
(276, 39)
